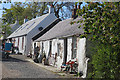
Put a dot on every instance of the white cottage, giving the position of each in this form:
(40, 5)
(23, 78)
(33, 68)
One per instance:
(62, 43)
(22, 37)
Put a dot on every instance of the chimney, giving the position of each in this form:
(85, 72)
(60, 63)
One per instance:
(74, 12)
(25, 20)
(51, 9)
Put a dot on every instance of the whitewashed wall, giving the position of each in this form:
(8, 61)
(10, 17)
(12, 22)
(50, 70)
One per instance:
(24, 47)
(54, 46)
(20, 44)
(40, 48)
(69, 48)
(61, 53)
(28, 45)
(46, 48)
(21, 50)
(16, 42)
(81, 56)
(33, 47)
(54, 49)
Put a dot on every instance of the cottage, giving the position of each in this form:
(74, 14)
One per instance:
(22, 37)
(62, 44)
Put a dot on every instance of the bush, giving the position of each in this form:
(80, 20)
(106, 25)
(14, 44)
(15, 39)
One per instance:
(105, 62)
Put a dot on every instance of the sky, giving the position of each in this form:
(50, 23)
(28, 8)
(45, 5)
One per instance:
(8, 5)
(5, 5)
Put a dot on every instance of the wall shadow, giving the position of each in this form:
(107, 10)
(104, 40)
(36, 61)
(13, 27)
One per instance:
(12, 59)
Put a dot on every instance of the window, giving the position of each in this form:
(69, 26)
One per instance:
(74, 47)
(30, 25)
(40, 28)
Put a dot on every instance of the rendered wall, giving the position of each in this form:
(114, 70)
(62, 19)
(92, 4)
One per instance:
(81, 56)
(69, 48)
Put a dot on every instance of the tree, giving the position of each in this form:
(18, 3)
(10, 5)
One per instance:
(21, 10)
(35, 9)
(102, 22)
(13, 13)
(6, 30)
(63, 9)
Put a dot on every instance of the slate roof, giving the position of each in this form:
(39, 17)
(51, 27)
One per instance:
(43, 31)
(28, 26)
(63, 29)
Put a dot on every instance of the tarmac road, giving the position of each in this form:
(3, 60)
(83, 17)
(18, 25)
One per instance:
(17, 67)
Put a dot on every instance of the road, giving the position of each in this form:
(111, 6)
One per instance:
(17, 67)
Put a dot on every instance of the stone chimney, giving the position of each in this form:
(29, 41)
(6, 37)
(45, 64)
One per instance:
(74, 12)
(51, 9)
(25, 20)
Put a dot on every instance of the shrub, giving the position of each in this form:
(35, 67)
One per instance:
(105, 62)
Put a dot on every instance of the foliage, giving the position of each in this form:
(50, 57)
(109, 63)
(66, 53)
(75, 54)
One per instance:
(101, 21)
(105, 62)
(6, 30)
(35, 9)
(21, 10)
(62, 9)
